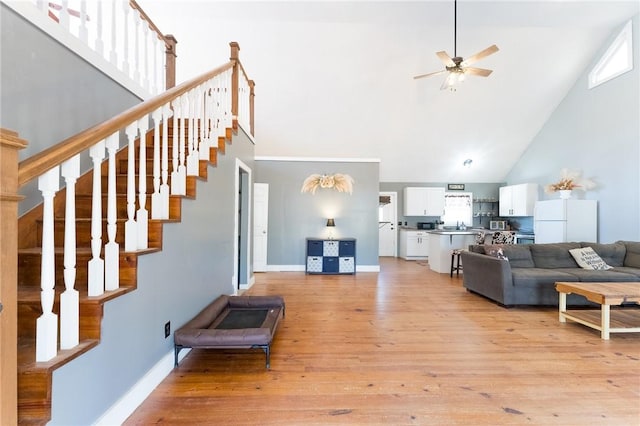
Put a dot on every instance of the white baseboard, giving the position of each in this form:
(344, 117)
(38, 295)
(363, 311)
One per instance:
(367, 268)
(285, 268)
(301, 268)
(127, 404)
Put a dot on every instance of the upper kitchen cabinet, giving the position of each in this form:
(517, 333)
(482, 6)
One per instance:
(423, 201)
(518, 200)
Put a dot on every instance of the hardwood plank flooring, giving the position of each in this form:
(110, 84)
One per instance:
(405, 346)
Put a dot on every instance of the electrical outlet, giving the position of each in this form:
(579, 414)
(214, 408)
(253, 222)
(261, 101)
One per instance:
(167, 329)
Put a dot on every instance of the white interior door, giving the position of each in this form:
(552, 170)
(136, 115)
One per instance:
(260, 222)
(388, 224)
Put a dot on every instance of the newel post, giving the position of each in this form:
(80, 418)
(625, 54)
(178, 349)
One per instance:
(170, 61)
(10, 145)
(235, 56)
(252, 94)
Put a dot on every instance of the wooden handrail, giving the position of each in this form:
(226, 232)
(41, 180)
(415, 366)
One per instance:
(152, 25)
(38, 164)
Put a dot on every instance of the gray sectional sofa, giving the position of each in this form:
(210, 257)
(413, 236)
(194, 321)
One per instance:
(528, 275)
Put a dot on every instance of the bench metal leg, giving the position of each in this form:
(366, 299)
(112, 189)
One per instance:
(176, 350)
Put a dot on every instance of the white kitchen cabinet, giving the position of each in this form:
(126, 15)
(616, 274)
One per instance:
(414, 245)
(423, 201)
(518, 200)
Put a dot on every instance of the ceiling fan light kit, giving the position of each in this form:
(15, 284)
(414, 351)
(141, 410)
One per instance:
(458, 67)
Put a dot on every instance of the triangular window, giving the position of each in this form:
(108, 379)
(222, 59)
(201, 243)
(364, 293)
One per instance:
(617, 60)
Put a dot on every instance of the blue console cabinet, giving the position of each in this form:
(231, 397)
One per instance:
(331, 256)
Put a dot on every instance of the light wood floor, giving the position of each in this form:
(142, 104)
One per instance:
(405, 347)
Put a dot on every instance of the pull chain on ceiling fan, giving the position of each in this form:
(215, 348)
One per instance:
(457, 67)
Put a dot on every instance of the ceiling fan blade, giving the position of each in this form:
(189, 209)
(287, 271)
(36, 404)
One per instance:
(481, 72)
(429, 75)
(483, 54)
(446, 59)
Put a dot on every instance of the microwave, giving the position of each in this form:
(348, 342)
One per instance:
(426, 225)
(497, 225)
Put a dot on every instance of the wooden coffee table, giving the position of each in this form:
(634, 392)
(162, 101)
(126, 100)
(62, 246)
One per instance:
(605, 294)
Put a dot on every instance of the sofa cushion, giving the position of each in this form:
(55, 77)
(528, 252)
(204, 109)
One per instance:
(632, 256)
(536, 277)
(628, 270)
(587, 258)
(590, 275)
(613, 254)
(554, 255)
(519, 255)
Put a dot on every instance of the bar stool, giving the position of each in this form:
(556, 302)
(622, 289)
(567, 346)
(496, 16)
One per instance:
(455, 262)
(456, 255)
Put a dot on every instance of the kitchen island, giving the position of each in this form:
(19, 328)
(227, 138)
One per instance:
(443, 242)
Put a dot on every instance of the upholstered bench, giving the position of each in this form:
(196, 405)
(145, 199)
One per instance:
(233, 322)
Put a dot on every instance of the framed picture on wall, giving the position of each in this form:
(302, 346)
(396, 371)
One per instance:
(455, 187)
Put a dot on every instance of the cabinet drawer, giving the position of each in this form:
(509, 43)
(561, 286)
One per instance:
(315, 247)
(347, 265)
(330, 264)
(314, 263)
(347, 248)
(331, 248)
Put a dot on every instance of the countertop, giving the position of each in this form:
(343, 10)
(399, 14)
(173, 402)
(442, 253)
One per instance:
(456, 232)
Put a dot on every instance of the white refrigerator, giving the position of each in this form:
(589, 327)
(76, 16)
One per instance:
(558, 221)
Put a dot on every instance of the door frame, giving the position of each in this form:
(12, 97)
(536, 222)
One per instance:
(259, 187)
(394, 197)
(242, 261)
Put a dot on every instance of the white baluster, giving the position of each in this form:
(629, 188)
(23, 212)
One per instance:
(164, 185)
(83, 32)
(130, 228)
(155, 84)
(156, 207)
(112, 248)
(64, 15)
(179, 174)
(142, 216)
(96, 264)
(217, 109)
(193, 156)
(145, 77)
(43, 6)
(203, 149)
(99, 41)
(125, 60)
(113, 57)
(136, 52)
(175, 188)
(69, 299)
(47, 323)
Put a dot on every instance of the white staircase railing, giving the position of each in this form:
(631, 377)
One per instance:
(118, 31)
(103, 273)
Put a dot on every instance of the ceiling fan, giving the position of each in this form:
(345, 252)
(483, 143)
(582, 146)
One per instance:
(457, 67)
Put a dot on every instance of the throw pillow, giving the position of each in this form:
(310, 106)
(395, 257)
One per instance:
(587, 258)
(496, 252)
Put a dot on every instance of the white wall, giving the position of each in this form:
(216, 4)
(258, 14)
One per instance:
(597, 131)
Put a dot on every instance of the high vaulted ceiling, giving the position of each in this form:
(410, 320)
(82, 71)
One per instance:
(335, 79)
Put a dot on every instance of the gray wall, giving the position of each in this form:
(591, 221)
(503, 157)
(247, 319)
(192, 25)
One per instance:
(294, 216)
(48, 93)
(596, 131)
(194, 266)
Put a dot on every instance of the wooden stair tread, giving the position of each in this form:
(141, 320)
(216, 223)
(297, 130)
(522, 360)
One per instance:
(31, 294)
(87, 250)
(27, 355)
